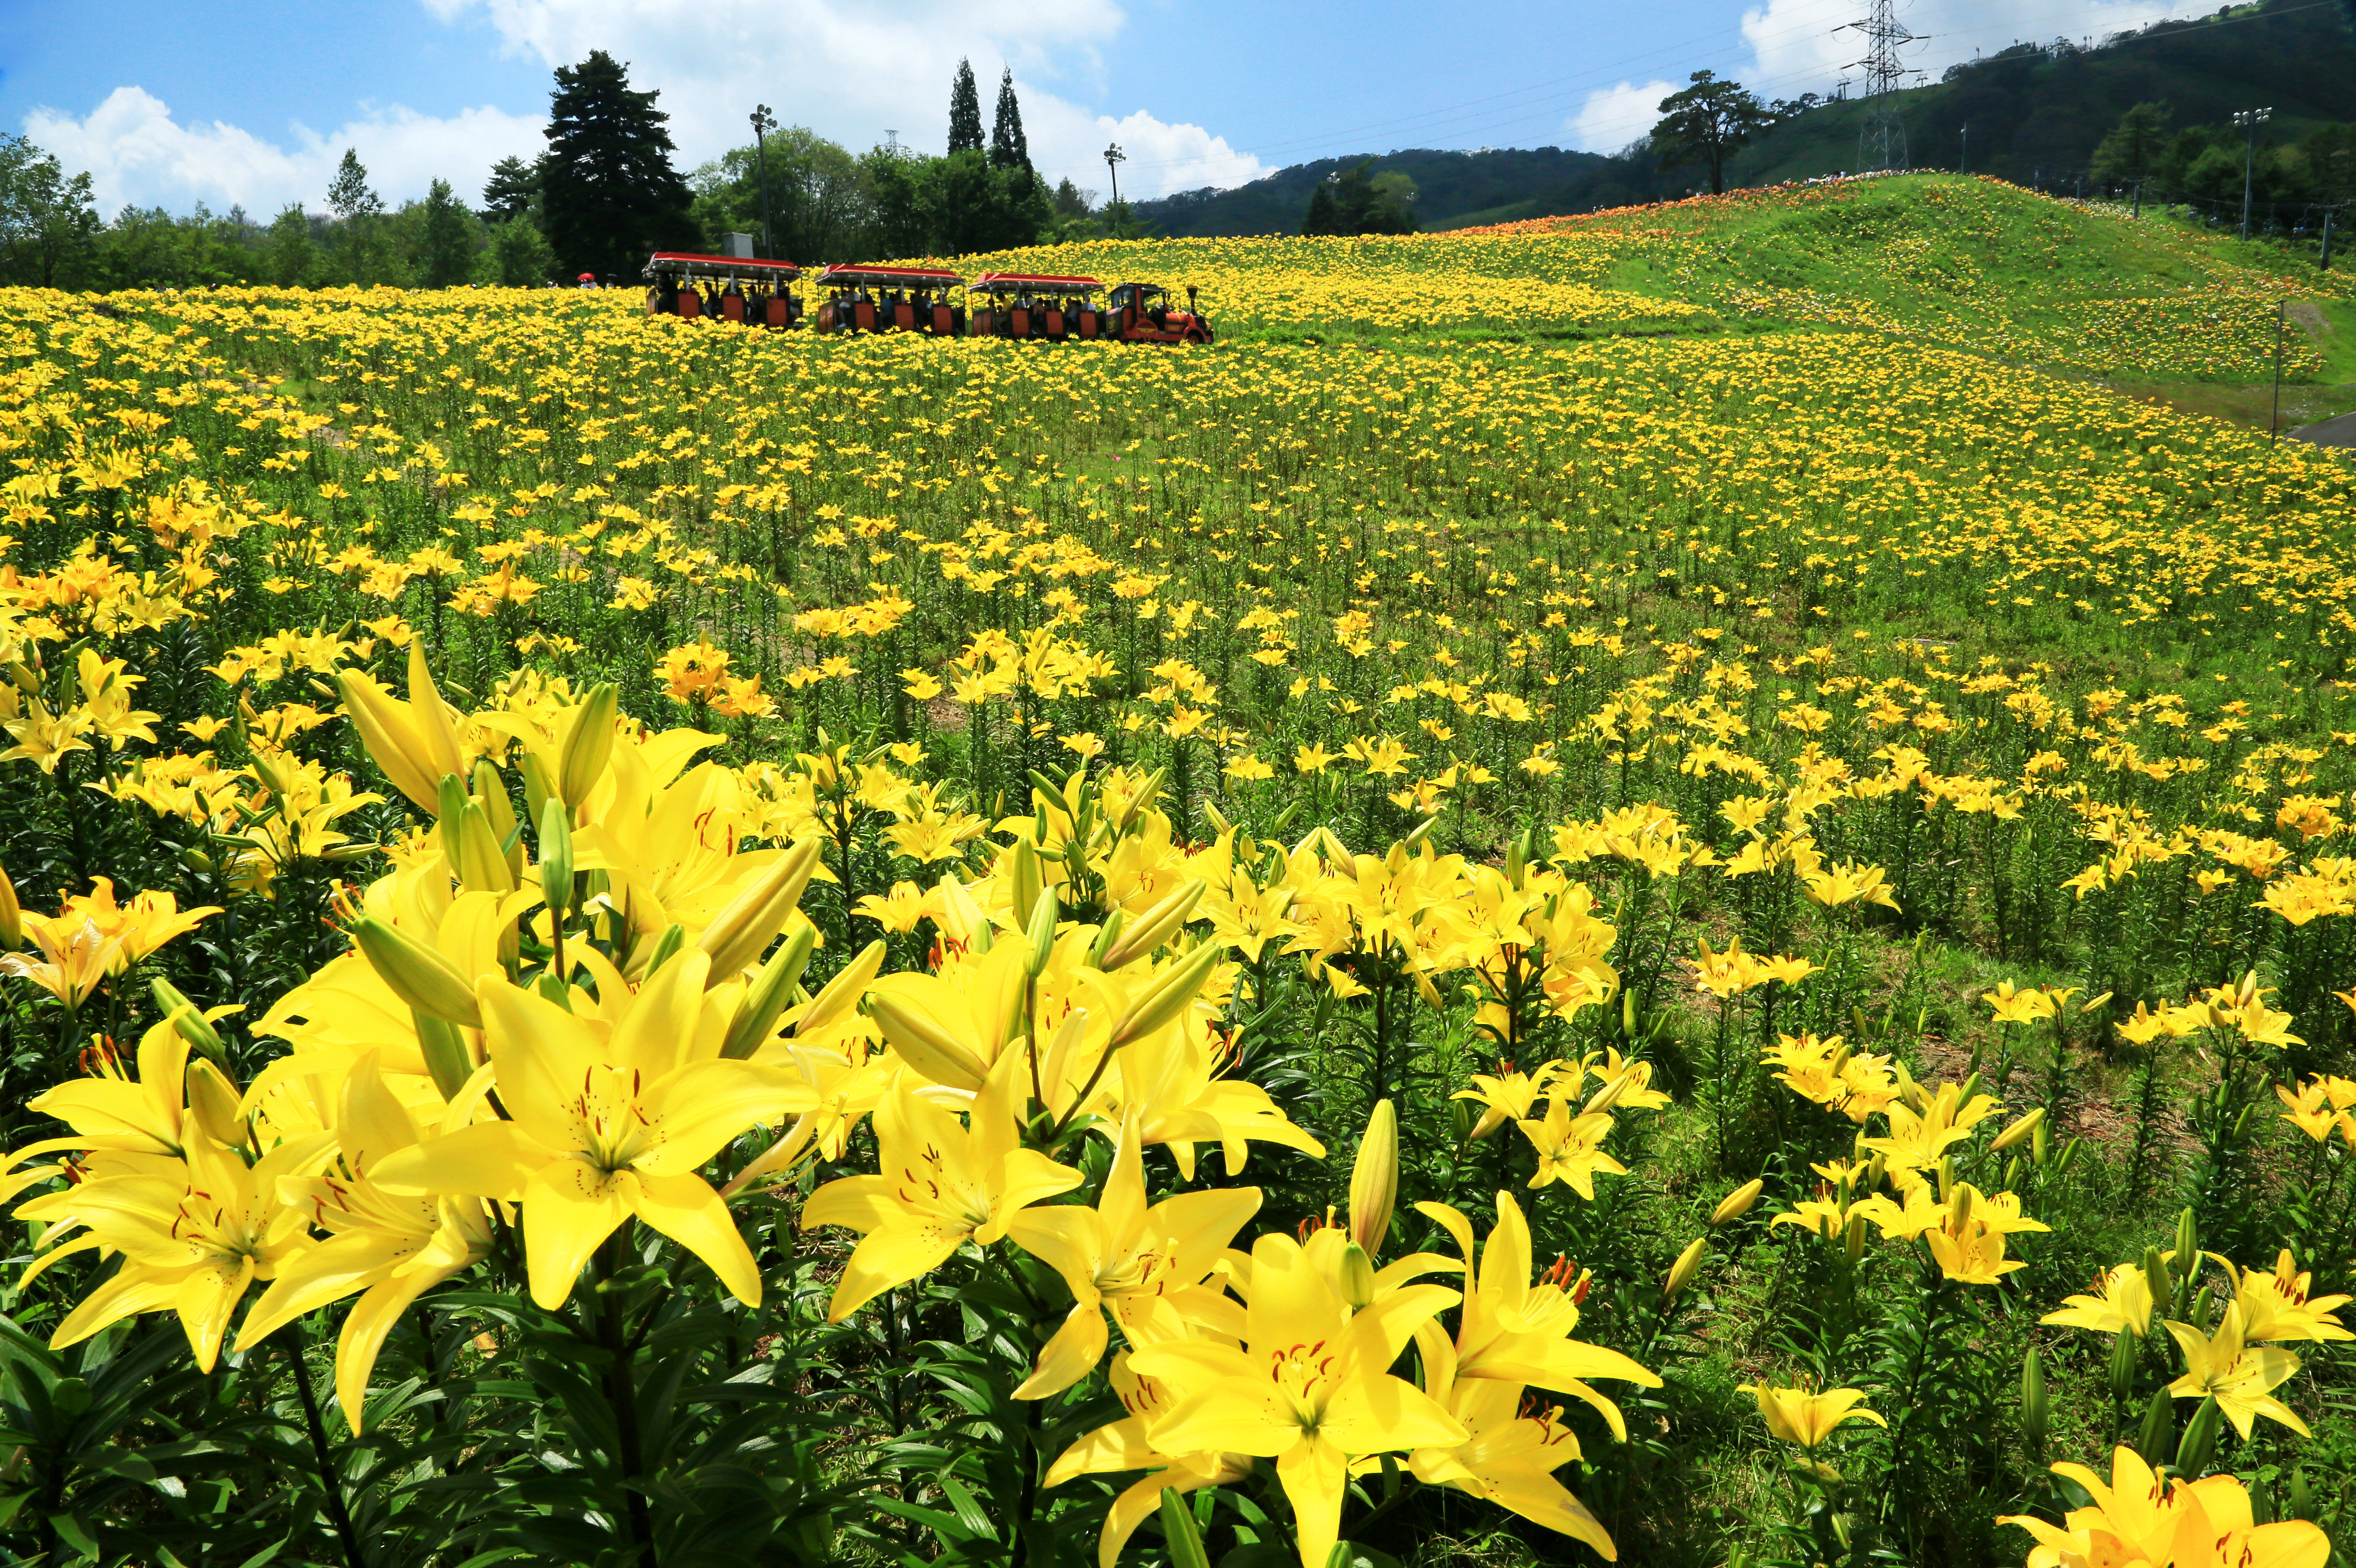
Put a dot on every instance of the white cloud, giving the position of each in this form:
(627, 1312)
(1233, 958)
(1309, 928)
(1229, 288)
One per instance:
(1614, 116)
(135, 151)
(1802, 45)
(852, 70)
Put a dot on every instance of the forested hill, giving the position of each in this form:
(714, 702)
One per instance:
(1450, 187)
(2036, 113)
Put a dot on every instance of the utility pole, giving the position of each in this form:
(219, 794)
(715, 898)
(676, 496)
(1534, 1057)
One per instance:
(1965, 166)
(2138, 198)
(2327, 241)
(1114, 157)
(2282, 324)
(762, 124)
(2250, 120)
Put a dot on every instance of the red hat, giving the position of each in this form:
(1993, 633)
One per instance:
(588, 278)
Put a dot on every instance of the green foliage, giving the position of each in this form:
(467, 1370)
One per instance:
(1359, 201)
(965, 111)
(608, 189)
(1707, 124)
(46, 218)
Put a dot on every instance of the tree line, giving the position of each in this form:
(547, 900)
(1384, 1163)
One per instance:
(605, 193)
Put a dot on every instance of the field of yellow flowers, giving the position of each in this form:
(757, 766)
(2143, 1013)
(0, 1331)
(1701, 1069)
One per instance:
(1557, 907)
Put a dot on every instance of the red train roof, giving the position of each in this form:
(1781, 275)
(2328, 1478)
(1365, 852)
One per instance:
(686, 260)
(1034, 280)
(843, 272)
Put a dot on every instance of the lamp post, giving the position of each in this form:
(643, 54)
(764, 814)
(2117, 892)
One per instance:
(1114, 157)
(2250, 120)
(762, 124)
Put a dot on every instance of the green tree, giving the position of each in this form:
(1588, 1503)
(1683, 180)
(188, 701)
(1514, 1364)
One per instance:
(1354, 200)
(1008, 146)
(445, 244)
(1322, 218)
(513, 187)
(820, 204)
(2135, 145)
(290, 258)
(895, 181)
(607, 186)
(1071, 201)
(47, 220)
(519, 255)
(965, 111)
(1706, 124)
(358, 210)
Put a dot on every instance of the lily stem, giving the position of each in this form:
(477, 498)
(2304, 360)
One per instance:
(622, 1393)
(331, 1481)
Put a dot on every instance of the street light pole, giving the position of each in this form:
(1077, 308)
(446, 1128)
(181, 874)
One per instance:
(762, 124)
(1114, 157)
(2250, 119)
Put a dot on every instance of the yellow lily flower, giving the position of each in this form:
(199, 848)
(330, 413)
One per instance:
(2138, 1517)
(392, 1249)
(1124, 1445)
(1507, 1456)
(2276, 1306)
(1807, 1416)
(2121, 1301)
(1124, 1258)
(1507, 1095)
(1516, 1331)
(1571, 1147)
(193, 1232)
(2239, 1375)
(1310, 1387)
(617, 1104)
(940, 1186)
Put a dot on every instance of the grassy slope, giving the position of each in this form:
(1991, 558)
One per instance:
(1990, 266)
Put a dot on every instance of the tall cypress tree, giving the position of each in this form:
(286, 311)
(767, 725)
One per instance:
(965, 111)
(1008, 148)
(608, 186)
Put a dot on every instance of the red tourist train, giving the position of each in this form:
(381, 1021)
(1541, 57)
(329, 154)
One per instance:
(875, 298)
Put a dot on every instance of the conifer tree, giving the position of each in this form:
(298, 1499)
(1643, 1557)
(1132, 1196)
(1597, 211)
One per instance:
(357, 209)
(1321, 219)
(1008, 148)
(510, 189)
(608, 186)
(445, 250)
(965, 111)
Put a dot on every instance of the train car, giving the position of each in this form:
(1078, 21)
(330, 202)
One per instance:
(727, 288)
(875, 298)
(1047, 305)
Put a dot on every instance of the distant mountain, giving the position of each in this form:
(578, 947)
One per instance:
(1452, 189)
(2035, 112)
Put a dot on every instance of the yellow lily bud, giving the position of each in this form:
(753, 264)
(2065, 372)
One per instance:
(1025, 880)
(1357, 1275)
(770, 993)
(841, 994)
(390, 740)
(1738, 1203)
(555, 860)
(755, 916)
(430, 717)
(482, 862)
(12, 914)
(1041, 933)
(539, 788)
(1373, 1179)
(1166, 996)
(588, 747)
(2019, 1131)
(931, 1050)
(192, 1025)
(416, 973)
(214, 1101)
(1682, 1271)
(1605, 1098)
(1154, 928)
(447, 1060)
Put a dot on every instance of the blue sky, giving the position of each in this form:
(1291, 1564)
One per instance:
(252, 102)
